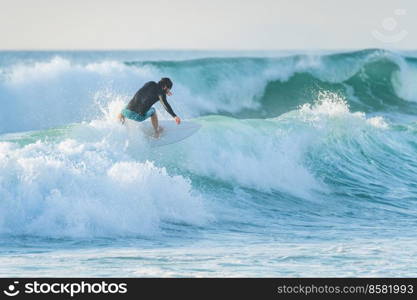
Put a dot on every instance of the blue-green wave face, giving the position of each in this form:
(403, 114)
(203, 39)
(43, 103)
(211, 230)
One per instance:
(370, 80)
(295, 148)
(61, 88)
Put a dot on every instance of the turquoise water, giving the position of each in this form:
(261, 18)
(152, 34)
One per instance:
(304, 165)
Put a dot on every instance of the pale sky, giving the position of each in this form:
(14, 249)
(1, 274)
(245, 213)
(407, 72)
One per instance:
(207, 24)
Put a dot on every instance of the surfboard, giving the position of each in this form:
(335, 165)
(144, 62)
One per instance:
(172, 133)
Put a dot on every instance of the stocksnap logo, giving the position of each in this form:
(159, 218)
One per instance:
(11, 290)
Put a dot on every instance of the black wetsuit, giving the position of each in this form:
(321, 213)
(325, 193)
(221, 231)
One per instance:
(147, 96)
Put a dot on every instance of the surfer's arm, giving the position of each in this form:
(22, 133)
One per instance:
(167, 107)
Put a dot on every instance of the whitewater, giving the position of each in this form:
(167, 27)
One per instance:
(305, 165)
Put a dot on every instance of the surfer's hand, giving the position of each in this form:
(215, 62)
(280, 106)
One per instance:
(177, 120)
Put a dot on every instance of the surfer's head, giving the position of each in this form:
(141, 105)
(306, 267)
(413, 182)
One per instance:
(166, 84)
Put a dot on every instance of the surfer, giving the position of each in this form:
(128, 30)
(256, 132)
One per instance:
(140, 107)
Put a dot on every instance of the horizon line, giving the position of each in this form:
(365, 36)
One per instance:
(203, 50)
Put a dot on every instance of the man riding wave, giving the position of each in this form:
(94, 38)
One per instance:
(140, 107)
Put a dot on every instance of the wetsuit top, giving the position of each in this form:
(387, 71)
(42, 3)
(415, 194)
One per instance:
(147, 96)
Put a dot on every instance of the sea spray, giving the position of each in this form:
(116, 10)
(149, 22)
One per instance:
(74, 188)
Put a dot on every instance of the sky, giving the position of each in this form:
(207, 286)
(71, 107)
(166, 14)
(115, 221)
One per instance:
(207, 24)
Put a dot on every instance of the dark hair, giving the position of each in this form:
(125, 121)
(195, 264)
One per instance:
(165, 82)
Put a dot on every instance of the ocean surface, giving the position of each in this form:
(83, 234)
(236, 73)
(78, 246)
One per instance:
(305, 165)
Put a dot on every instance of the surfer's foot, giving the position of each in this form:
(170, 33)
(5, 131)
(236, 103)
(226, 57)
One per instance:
(121, 118)
(158, 132)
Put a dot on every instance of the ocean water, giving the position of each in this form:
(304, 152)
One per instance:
(305, 165)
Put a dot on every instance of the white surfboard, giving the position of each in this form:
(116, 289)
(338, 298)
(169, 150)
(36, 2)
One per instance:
(172, 133)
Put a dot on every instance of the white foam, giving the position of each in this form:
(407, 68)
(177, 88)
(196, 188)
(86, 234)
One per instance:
(330, 107)
(78, 188)
(58, 92)
(404, 81)
(378, 122)
(356, 257)
(247, 153)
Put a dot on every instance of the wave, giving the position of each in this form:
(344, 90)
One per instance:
(51, 93)
(319, 151)
(57, 92)
(71, 187)
(371, 80)
(96, 179)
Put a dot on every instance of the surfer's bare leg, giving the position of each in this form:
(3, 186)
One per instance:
(154, 119)
(155, 124)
